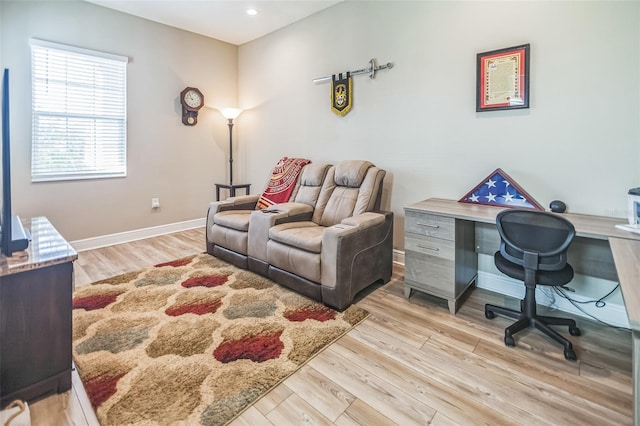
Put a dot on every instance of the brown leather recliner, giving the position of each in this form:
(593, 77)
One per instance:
(346, 246)
(229, 227)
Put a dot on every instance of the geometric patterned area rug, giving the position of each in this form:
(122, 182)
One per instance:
(193, 341)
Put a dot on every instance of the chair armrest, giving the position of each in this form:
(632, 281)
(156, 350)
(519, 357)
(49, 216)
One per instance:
(290, 209)
(243, 202)
(262, 220)
(369, 234)
(363, 221)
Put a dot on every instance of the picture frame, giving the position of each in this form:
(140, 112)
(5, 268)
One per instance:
(502, 79)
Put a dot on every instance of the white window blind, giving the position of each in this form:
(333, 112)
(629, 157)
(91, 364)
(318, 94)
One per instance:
(79, 113)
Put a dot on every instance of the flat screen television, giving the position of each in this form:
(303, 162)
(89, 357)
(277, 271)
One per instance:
(12, 234)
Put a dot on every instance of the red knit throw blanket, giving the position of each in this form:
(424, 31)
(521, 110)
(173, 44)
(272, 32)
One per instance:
(283, 180)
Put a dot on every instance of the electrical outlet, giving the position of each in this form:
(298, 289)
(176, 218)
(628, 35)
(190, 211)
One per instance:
(155, 203)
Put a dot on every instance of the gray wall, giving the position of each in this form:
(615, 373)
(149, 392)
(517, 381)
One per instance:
(578, 142)
(166, 159)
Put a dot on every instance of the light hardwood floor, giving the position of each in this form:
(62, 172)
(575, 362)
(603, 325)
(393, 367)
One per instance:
(409, 362)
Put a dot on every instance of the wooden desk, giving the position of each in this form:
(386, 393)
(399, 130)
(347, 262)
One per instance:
(626, 254)
(36, 287)
(232, 189)
(599, 249)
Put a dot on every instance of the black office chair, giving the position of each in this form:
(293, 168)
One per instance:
(534, 249)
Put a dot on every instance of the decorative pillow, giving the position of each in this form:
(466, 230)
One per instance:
(282, 182)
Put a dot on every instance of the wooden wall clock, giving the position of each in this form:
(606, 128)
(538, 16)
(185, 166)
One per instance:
(192, 100)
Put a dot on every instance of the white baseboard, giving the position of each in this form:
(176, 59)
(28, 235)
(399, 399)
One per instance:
(398, 257)
(136, 234)
(613, 314)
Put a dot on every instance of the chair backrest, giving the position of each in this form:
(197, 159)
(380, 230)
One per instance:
(535, 240)
(351, 188)
(306, 187)
(310, 183)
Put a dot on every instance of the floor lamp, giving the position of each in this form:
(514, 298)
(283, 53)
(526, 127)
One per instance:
(230, 114)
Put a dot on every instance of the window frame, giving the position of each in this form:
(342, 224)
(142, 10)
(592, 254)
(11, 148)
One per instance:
(112, 123)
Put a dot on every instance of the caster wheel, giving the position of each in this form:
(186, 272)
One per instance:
(574, 331)
(570, 355)
(509, 341)
(489, 314)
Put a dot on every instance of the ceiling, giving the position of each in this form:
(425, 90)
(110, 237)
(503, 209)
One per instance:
(225, 20)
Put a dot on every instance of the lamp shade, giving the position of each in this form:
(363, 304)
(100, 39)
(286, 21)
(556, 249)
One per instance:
(231, 113)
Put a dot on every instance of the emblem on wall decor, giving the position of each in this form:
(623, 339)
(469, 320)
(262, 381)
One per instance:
(342, 87)
(341, 91)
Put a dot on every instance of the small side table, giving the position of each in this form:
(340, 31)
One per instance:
(232, 189)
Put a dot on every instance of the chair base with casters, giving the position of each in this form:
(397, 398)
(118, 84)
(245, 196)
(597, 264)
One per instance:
(527, 315)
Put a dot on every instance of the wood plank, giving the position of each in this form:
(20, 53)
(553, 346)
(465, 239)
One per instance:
(616, 397)
(359, 413)
(274, 398)
(251, 417)
(496, 390)
(389, 400)
(295, 411)
(527, 387)
(396, 324)
(320, 392)
(431, 389)
(442, 420)
(604, 376)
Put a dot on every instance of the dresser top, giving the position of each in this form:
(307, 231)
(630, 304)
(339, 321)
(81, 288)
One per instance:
(47, 247)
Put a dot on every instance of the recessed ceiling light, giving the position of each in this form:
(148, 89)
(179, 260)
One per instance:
(252, 12)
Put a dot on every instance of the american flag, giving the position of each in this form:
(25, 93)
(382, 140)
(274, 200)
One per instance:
(498, 189)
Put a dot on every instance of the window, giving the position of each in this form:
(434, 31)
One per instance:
(79, 113)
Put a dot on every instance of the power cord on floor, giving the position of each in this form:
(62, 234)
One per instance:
(600, 303)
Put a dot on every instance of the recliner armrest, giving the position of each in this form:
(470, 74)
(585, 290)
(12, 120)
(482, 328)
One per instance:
(289, 209)
(365, 220)
(353, 236)
(243, 202)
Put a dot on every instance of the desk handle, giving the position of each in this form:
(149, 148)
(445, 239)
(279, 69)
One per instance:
(429, 248)
(428, 224)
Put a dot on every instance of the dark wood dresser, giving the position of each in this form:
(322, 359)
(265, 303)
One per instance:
(36, 287)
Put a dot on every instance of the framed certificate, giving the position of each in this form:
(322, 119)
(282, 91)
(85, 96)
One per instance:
(502, 79)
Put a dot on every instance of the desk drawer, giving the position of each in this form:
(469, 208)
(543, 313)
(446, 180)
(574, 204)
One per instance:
(435, 276)
(430, 225)
(430, 246)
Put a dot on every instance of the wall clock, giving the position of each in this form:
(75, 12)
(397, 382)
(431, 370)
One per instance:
(192, 100)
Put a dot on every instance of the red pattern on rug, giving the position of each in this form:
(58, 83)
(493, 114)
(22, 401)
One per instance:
(101, 388)
(206, 281)
(194, 308)
(175, 263)
(319, 314)
(98, 301)
(254, 348)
